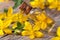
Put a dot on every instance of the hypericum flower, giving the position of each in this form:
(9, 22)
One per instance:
(31, 31)
(54, 5)
(3, 25)
(38, 4)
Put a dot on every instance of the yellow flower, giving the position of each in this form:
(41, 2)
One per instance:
(53, 5)
(58, 31)
(1, 33)
(31, 31)
(8, 31)
(55, 38)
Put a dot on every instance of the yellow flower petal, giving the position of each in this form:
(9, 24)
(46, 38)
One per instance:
(49, 21)
(10, 11)
(41, 17)
(36, 26)
(15, 17)
(14, 26)
(58, 31)
(7, 23)
(25, 33)
(39, 34)
(28, 26)
(8, 31)
(50, 1)
(43, 25)
(55, 38)
(34, 4)
(58, 8)
(31, 36)
(53, 5)
(1, 22)
(1, 33)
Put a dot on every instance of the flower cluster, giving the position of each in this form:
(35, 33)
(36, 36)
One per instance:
(42, 4)
(27, 25)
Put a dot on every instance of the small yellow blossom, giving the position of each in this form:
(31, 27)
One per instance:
(53, 5)
(31, 31)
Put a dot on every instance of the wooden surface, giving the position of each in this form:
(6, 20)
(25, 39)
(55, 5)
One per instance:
(56, 17)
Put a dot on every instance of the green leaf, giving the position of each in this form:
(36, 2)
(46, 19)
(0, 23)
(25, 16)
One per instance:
(17, 3)
(19, 26)
(5, 10)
